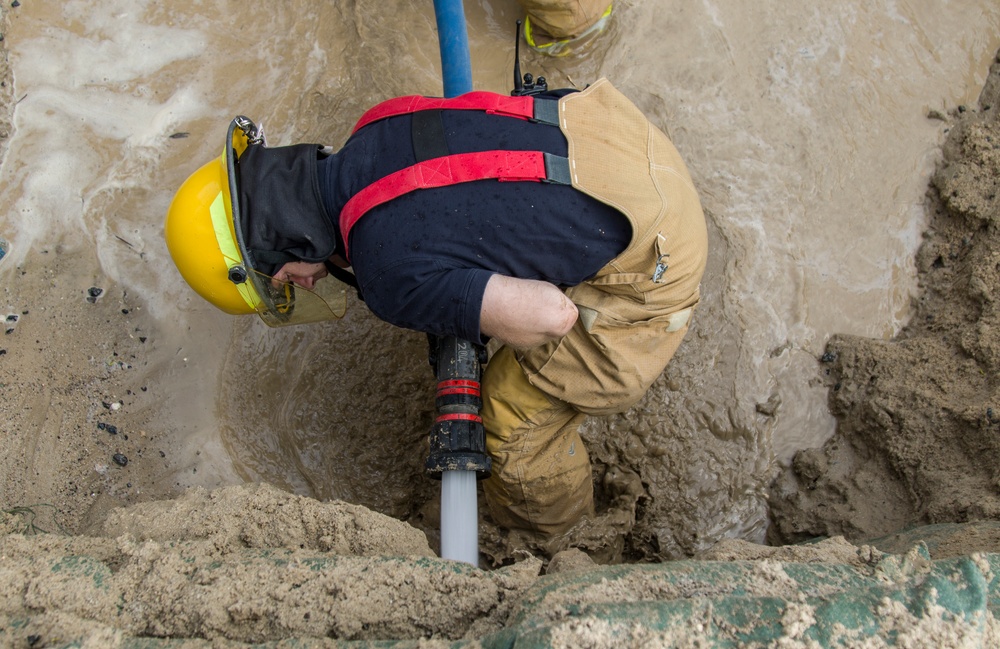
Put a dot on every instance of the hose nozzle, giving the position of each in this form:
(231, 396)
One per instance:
(457, 439)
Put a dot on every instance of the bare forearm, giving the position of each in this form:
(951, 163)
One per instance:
(525, 313)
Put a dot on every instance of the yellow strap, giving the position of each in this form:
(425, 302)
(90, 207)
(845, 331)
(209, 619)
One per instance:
(555, 48)
(230, 251)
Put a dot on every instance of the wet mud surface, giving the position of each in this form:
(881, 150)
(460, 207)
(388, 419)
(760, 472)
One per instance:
(106, 449)
(918, 437)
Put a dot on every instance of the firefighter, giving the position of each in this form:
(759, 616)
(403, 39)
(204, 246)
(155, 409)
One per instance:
(563, 226)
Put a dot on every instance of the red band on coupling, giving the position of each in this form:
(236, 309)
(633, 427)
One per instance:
(458, 386)
(465, 383)
(468, 391)
(459, 416)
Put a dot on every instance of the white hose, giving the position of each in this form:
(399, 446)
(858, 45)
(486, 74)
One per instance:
(459, 517)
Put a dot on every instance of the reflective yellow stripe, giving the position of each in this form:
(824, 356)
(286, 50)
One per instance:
(230, 251)
(528, 36)
(556, 47)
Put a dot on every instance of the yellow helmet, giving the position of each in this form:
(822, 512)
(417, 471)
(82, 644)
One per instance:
(205, 240)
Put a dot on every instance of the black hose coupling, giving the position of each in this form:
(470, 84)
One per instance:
(457, 439)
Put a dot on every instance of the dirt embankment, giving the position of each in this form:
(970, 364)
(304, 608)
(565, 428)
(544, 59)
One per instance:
(918, 436)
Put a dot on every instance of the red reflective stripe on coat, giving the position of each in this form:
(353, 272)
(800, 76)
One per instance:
(489, 102)
(441, 172)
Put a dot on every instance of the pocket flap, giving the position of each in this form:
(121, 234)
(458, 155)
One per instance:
(587, 316)
(679, 320)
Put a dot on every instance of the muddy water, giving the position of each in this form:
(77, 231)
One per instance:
(804, 124)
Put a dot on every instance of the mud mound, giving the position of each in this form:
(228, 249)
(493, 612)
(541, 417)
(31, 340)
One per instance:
(261, 516)
(249, 564)
(918, 438)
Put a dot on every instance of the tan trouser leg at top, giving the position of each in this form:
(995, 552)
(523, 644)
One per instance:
(541, 472)
(561, 19)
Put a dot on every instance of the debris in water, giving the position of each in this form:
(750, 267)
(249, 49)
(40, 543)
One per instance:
(180, 135)
(770, 407)
(93, 293)
(111, 428)
(119, 459)
(4, 247)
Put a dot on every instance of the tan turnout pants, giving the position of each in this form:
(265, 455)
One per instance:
(559, 19)
(633, 315)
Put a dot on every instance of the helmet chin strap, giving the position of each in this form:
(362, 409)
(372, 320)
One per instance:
(277, 259)
(344, 276)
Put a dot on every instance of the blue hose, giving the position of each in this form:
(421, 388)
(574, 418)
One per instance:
(456, 68)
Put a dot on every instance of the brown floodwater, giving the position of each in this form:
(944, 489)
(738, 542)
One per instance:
(805, 126)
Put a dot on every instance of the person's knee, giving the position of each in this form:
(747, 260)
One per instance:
(509, 399)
